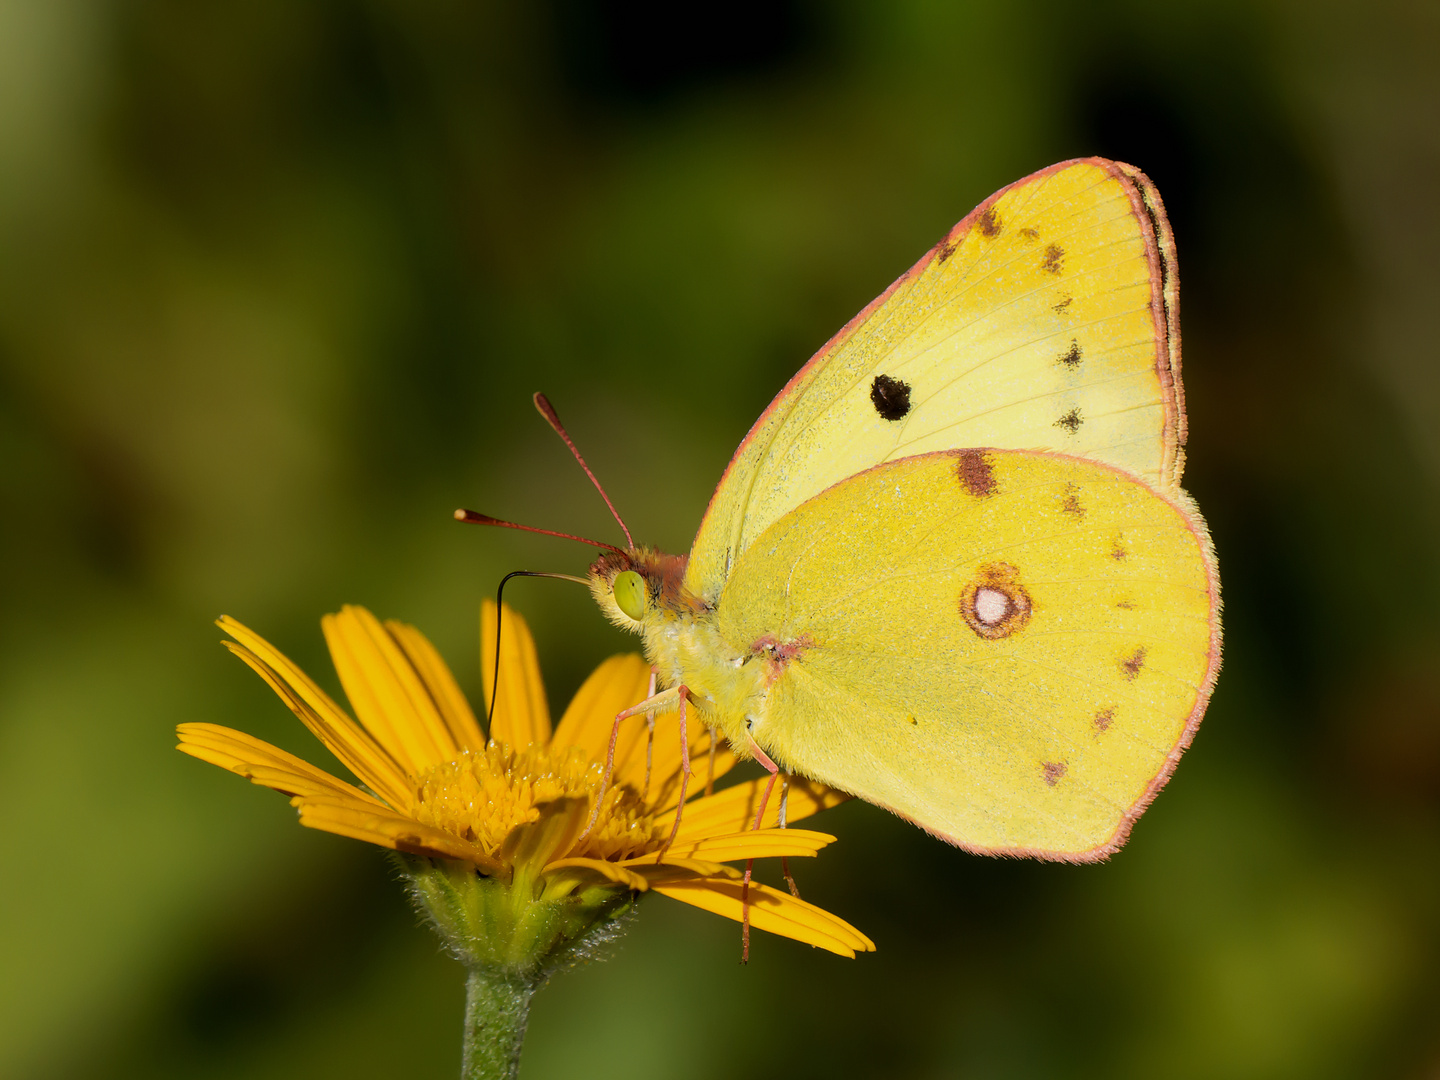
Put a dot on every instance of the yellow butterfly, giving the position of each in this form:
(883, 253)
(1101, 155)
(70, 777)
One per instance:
(951, 569)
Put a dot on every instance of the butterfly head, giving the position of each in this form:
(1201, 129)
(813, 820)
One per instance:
(635, 587)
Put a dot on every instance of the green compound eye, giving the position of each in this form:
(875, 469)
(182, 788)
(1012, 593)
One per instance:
(631, 594)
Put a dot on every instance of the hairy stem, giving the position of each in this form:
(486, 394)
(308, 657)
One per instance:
(497, 1007)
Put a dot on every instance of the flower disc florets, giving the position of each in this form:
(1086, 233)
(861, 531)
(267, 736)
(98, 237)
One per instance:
(483, 795)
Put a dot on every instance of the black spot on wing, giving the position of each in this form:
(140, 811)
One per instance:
(891, 397)
(1071, 421)
(1072, 356)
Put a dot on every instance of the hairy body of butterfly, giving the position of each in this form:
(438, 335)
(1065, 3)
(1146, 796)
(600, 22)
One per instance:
(951, 569)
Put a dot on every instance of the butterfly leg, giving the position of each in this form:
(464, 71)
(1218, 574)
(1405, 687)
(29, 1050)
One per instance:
(664, 700)
(649, 735)
(684, 776)
(774, 771)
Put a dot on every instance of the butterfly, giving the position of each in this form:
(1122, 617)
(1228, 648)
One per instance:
(950, 569)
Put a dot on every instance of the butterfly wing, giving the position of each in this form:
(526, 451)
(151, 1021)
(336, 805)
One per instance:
(1046, 319)
(1009, 648)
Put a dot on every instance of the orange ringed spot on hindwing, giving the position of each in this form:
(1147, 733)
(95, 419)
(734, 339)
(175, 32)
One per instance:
(1054, 259)
(989, 223)
(1052, 771)
(891, 397)
(1132, 664)
(995, 605)
(975, 473)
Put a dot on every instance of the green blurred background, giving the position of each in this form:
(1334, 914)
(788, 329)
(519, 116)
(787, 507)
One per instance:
(276, 282)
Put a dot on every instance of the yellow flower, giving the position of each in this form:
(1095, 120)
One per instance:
(518, 807)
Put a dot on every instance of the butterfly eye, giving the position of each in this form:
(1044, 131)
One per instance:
(631, 596)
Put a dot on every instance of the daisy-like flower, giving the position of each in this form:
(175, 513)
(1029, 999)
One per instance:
(500, 837)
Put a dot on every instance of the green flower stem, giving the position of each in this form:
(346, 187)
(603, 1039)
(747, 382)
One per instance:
(497, 1007)
(511, 935)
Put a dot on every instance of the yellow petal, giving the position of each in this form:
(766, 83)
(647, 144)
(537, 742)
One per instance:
(733, 810)
(770, 909)
(389, 829)
(521, 715)
(388, 697)
(682, 869)
(617, 684)
(344, 738)
(262, 763)
(764, 844)
(531, 846)
(444, 691)
(609, 870)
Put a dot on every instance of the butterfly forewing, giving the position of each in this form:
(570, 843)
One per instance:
(1009, 648)
(1045, 320)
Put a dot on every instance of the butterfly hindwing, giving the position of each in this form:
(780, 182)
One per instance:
(1045, 320)
(1010, 648)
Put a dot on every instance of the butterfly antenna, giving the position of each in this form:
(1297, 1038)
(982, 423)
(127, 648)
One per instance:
(473, 517)
(548, 412)
(499, 623)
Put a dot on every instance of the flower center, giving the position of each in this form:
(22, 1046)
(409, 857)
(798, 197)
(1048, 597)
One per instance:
(482, 796)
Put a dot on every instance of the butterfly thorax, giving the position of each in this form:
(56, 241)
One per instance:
(683, 640)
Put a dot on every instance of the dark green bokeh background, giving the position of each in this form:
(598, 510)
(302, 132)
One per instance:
(276, 281)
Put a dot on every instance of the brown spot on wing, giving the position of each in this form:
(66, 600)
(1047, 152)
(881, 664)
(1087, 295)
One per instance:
(1052, 771)
(1063, 304)
(989, 223)
(1103, 719)
(1071, 421)
(1071, 505)
(1071, 357)
(975, 473)
(1132, 664)
(1054, 259)
(1125, 605)
(1117, 550)
(1030, 234)
(946, 250)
